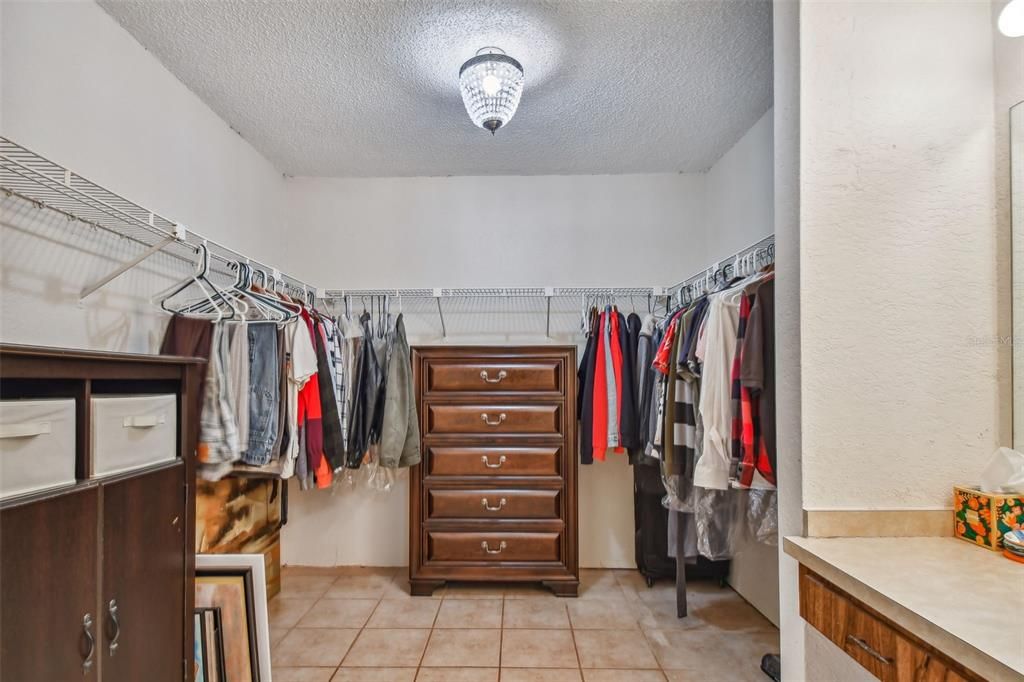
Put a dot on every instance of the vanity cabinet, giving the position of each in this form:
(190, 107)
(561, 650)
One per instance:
(883, 648)
(96, 574)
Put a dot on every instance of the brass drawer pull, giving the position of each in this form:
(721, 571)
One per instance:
(868, 648)
(487, 419)
(91, 653)
(487, 548)
(487, 462)
(501, 504)
(501, 375)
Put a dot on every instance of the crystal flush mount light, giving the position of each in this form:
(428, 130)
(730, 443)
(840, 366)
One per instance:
(491, 85)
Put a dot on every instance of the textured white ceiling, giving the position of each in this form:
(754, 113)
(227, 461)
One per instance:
(369, 88)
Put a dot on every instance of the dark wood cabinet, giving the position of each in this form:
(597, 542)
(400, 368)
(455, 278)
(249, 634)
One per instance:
(48, 588)
(96, 576)
(494, 498)
(143, 536)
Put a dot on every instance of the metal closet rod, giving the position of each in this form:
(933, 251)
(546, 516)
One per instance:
(766, 244)
(46, 184)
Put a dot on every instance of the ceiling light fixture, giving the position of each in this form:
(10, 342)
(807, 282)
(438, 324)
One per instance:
(491, 85)
(1011, 19)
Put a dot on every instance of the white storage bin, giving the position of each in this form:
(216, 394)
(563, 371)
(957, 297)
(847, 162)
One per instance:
(37, 445)
(131, 432)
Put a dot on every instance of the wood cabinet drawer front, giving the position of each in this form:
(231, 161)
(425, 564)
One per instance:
(820, 607)
(494, 461)
(496, 547)
(869, 641)
(541, 375)
(538, 419)
(493, 503)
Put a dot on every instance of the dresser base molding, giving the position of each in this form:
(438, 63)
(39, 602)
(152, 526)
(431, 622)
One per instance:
(563, 588)
(424, 588)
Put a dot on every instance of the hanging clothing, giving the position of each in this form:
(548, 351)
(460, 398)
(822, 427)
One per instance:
(239, 359)
(333, 436)
(301, 367)
(218, 430)
(263, 393)
(400, 433)
(585, 393)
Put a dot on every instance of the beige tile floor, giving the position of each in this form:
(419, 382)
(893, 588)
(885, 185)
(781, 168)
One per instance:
(361, 625)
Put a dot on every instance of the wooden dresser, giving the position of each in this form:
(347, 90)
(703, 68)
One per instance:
(96, 544)
(494, 498)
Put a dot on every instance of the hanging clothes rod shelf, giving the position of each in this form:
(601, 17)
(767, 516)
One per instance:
(46, 184)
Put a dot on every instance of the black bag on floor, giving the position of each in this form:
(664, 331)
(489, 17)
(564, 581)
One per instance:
(651, 522)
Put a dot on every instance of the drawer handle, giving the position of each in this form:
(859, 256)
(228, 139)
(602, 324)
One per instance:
(868, 648)
(487, 462)
(501, 504)
(487, 419)
(26, 430)
(91, 653)
(501, 375)
(144, 422)
(487, 548)
(112, 610)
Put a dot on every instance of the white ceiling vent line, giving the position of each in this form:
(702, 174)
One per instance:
(370, 89)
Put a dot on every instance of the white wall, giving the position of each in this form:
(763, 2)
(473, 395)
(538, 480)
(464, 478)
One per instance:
(623, 230)
(899, 246)
(898, 251)
(77, 88)
(739, 210)
(786, 62)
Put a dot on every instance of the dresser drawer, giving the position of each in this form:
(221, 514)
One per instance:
(532, 419)
(494, 461)
(493, 503)
(466, 546)
(534, 375)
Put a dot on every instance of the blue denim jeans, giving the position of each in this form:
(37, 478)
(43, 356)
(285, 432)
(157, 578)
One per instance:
(264, 393)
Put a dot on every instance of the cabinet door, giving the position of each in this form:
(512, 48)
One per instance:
(49, 623)
(144, 577)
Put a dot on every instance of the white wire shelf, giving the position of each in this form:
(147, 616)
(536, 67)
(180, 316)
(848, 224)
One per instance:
(46, 184)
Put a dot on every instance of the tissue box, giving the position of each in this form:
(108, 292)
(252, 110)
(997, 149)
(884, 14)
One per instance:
(983, 518)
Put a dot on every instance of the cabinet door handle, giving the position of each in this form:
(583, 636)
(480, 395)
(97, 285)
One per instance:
(487, 548)
(869, 649)
(501, 504)
(501, 375)
(487, 419)
(112, 610)
(91, 640)
(487, 462)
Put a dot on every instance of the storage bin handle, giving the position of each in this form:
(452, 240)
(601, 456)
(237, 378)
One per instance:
(146, 421)
(24, 430)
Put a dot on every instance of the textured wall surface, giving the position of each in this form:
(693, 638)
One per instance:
(899, 289)
(367, 88)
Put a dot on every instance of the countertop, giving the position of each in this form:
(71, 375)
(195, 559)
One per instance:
(963, 600)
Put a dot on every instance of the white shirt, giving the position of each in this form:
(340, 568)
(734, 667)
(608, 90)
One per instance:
(721, 327)
(301, 365)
